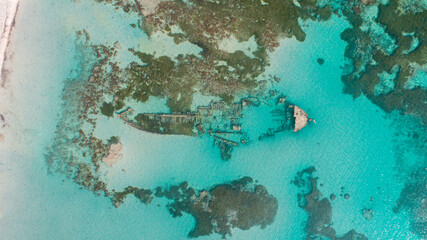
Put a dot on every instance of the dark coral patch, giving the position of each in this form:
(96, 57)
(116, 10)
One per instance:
(318, 208)
(240, 204)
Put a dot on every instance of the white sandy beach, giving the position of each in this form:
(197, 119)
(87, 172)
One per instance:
(7, 18)
(8, 10)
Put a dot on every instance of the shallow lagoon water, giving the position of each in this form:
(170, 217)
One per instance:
(351, 145)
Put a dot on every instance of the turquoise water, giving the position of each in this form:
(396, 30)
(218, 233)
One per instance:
(352, 145)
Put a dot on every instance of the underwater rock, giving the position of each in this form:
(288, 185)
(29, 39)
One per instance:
(318, 208)
(320, 61)
(367, 213)
(346, 196)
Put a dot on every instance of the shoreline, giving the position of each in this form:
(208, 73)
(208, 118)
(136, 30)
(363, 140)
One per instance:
(9, 22)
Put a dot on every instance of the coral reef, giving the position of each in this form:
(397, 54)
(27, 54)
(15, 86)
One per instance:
(76, 152)
(177, 79)
(319, 209)
(144, 195)
(240, 204)
(207, 24)
(382, 37)
(370, 59)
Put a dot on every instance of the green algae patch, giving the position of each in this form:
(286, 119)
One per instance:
(161, 77)
(107, 109)
(113, 140)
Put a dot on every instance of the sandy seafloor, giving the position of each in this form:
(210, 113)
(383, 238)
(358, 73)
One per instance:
(352, 145)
